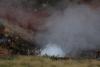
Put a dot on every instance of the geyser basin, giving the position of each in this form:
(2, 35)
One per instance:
(53, 50)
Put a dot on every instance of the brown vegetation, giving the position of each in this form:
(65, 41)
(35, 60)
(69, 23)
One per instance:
(33, 61)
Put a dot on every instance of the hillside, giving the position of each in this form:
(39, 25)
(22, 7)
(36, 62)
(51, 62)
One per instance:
(27, 27)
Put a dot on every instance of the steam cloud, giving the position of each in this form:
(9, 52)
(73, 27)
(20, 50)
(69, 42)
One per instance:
(53, 50)
(74, 29)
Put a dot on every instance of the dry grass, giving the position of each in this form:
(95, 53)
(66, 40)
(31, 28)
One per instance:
(33, 61)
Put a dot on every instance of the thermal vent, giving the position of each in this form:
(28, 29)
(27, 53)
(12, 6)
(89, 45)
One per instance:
(52, 50)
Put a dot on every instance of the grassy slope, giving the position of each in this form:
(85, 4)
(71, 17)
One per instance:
(33, 61)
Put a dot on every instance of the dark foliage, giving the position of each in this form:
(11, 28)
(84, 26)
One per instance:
(17, 45)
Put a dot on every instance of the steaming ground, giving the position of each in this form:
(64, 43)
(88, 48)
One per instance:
(67, 33)
(53, 50)
(75, 29)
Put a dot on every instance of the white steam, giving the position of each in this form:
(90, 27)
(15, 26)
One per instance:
(76, 29)
(53, 50)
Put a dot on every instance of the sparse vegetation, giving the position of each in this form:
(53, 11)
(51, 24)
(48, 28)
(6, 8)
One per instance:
(34, 61)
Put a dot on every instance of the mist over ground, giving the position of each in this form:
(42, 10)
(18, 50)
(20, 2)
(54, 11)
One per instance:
(76, 29)
(72, 27)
